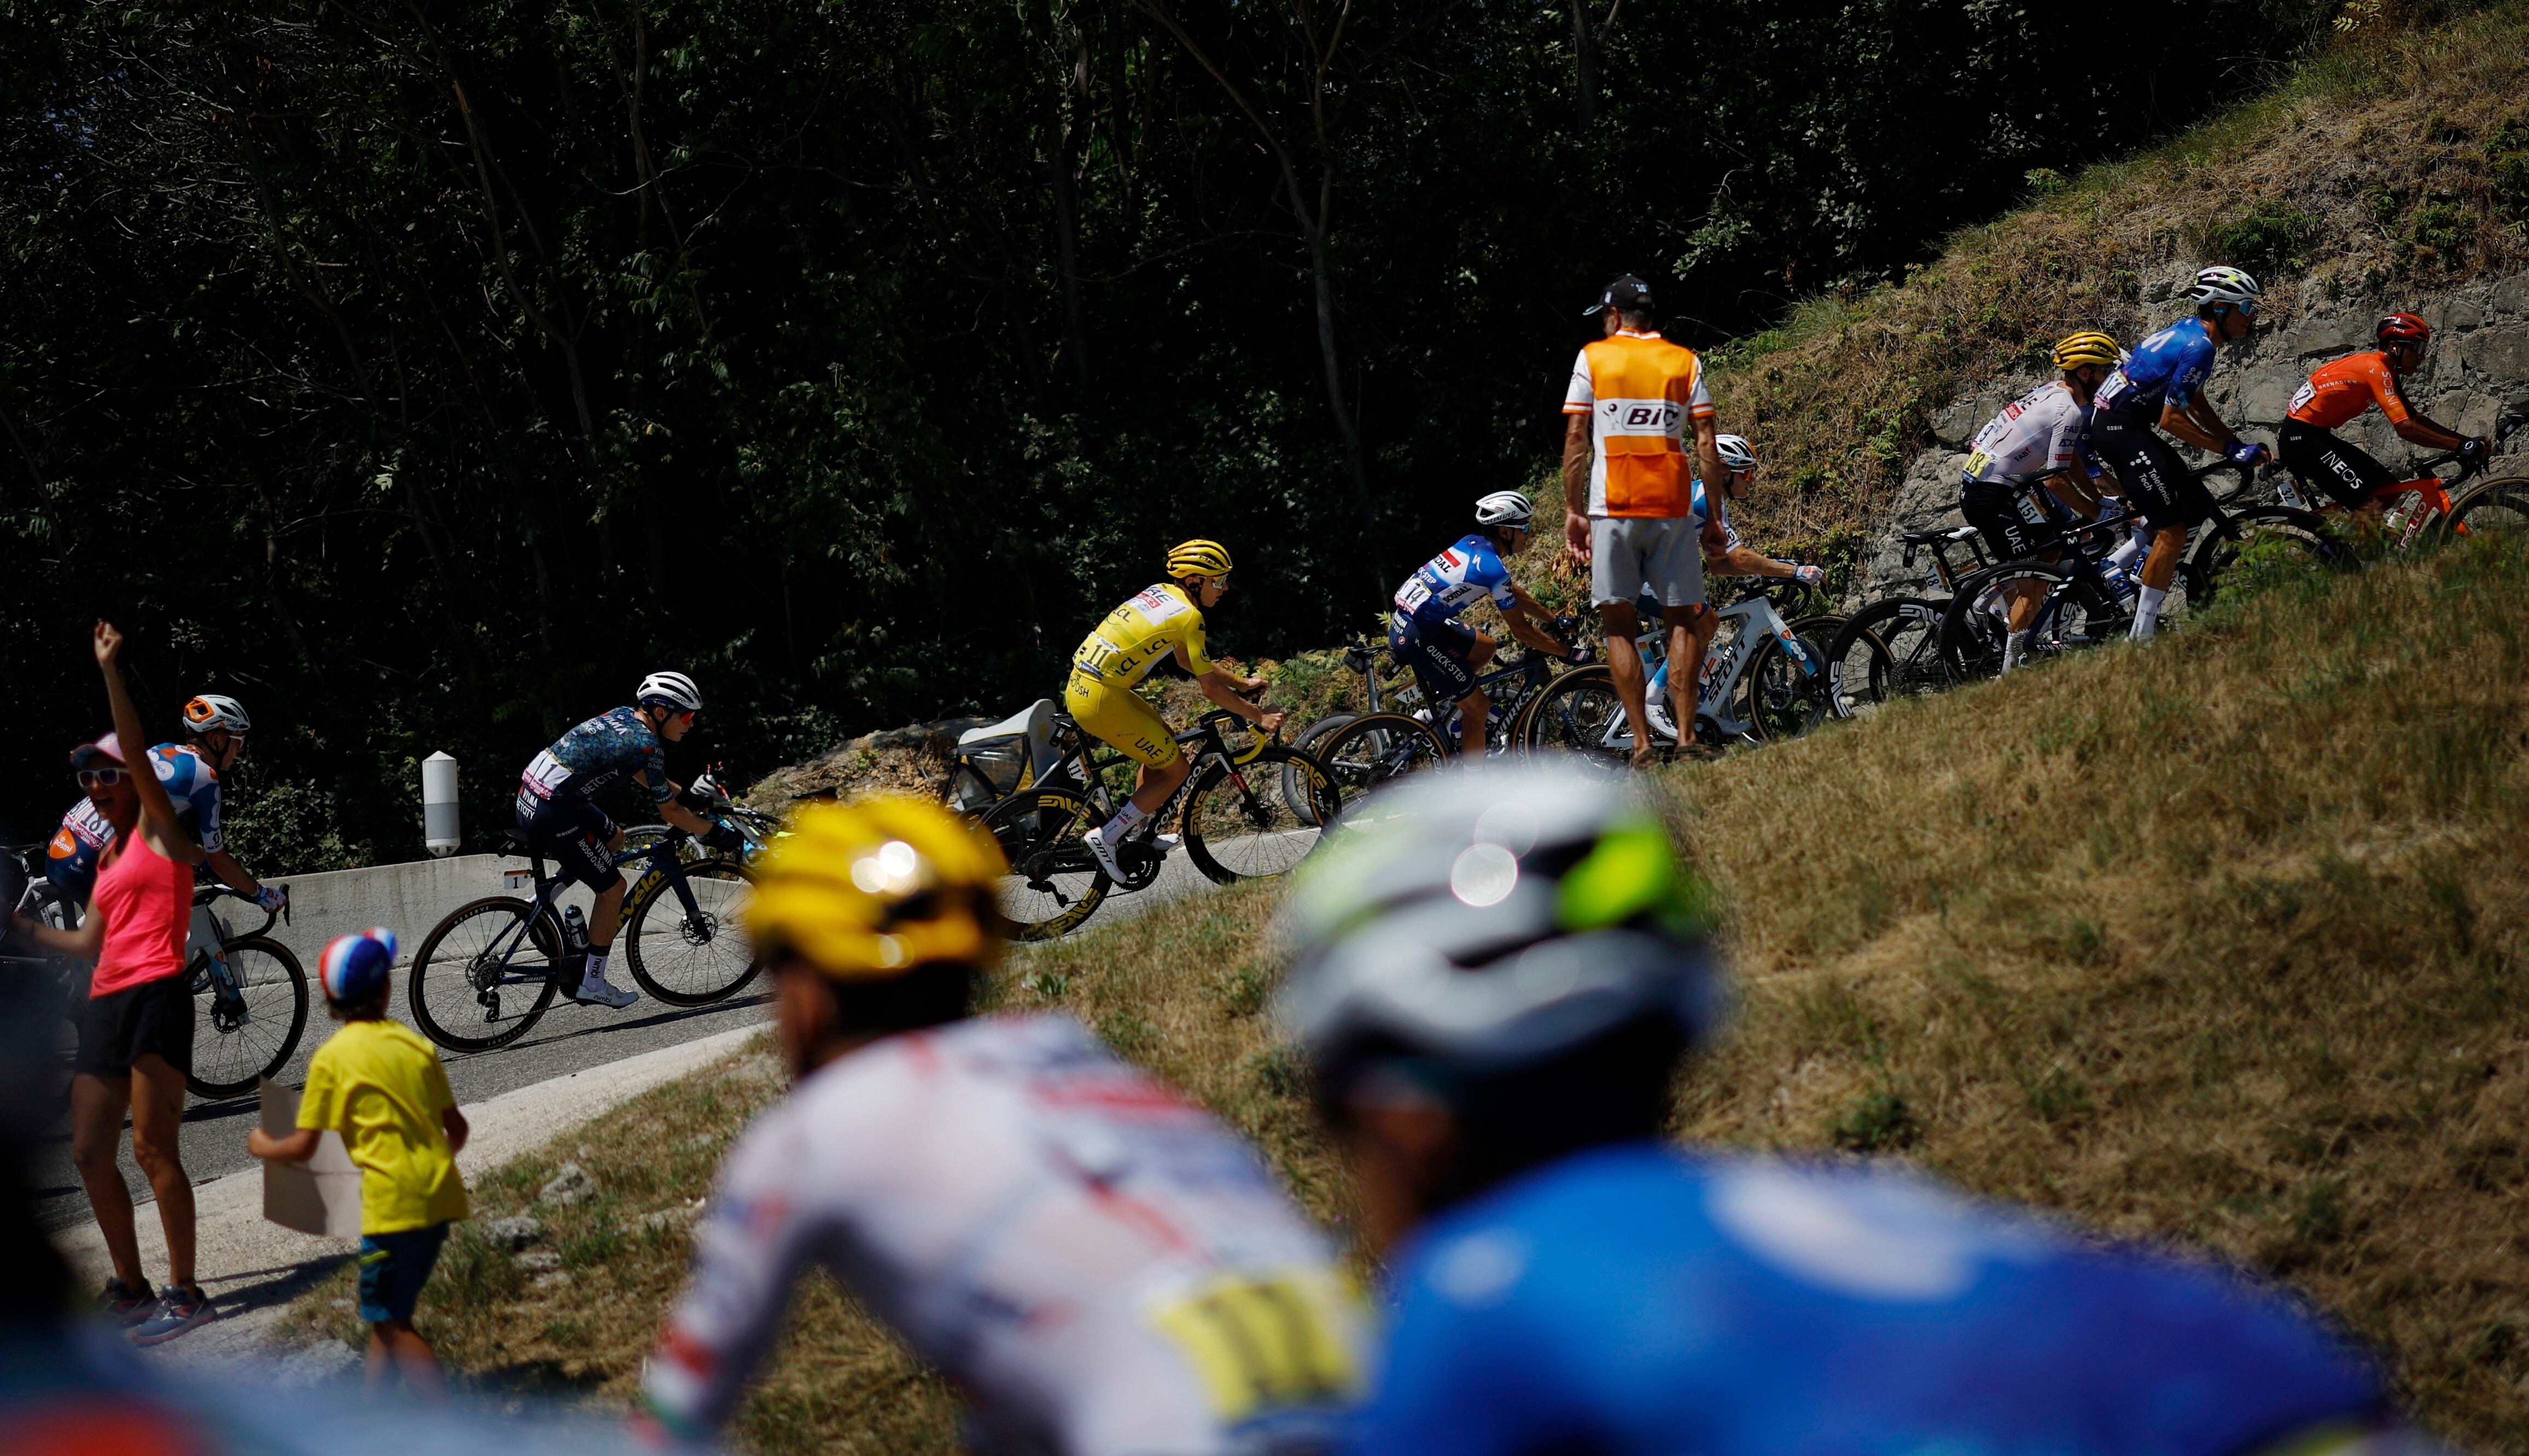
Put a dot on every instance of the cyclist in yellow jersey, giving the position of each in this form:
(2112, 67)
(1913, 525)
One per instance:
(1160, 621)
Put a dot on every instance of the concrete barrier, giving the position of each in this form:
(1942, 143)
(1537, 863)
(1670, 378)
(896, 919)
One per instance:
(406, 898)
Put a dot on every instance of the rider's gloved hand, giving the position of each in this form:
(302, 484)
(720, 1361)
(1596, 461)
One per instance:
(2474, 448)
(1581, 655)
(271, 898)
(724, 836)
(1809, 576)
(2242, 452)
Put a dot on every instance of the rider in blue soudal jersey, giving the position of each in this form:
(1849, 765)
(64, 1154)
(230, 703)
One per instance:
(1494, 984)
(2163, 385)
(1423, 632)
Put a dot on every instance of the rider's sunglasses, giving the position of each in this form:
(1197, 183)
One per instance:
(99, 779)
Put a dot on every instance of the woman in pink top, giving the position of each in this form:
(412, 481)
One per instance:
(135, 1032)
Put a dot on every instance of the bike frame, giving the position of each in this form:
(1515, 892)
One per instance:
(662, 859)
(1501, 728)
(1757, 622)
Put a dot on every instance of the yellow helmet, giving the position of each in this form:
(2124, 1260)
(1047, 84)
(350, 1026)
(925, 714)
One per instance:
(875, 888)
(1197, 557)
(2092, 348)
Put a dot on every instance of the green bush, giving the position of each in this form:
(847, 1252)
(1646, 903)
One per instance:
(1877, 1124)
(2442, 228)
(2507, 155)
(2271, 237)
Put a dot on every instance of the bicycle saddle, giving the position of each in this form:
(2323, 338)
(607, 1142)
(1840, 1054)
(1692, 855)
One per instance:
(511, 845)
(1926, 538)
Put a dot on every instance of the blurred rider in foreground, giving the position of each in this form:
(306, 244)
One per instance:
(1103, 1269)
(1494, 986)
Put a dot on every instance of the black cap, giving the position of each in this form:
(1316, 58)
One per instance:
(1627, 294)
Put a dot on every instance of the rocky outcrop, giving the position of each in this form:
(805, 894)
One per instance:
(2480, 362)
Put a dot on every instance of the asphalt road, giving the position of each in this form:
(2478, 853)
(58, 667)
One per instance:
(570, 1038)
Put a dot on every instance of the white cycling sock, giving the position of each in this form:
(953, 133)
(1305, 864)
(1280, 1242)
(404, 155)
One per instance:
(1125, 818)
(596, 970)
(2012, 648)
(2147, 613)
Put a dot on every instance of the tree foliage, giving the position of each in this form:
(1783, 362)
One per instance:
(424, 373)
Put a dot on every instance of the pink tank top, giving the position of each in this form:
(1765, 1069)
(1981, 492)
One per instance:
(147, 900)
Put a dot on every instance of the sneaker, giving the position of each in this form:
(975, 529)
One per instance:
(124, 1305)
(178, 1309)
(1095, 839)
(594, 991)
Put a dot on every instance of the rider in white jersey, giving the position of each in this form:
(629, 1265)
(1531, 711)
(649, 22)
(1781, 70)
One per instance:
(2043, 438)
(1103, 1267)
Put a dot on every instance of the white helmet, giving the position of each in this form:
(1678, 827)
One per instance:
(671, 689)
(1734, 454)
(214, 712)
(1495, 920)
(2225, 285)
(1504, 508)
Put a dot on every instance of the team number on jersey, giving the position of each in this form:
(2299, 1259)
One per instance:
(1265, 1343)
(1412, 595)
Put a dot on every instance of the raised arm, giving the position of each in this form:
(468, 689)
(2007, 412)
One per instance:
(155, 806)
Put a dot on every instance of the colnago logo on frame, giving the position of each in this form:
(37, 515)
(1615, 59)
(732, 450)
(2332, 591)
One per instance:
(1639, 416)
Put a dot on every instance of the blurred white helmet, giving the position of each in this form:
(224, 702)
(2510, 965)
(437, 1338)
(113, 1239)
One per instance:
(1734, 451)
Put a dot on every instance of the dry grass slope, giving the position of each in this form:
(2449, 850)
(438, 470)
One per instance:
(2219, 942)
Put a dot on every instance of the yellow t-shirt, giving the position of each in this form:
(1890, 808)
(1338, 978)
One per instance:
(382, 1087)
(1137, 635)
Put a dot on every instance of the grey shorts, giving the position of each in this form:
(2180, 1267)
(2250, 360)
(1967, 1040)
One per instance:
(1660, 555)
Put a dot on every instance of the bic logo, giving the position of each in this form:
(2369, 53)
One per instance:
(1640, 416)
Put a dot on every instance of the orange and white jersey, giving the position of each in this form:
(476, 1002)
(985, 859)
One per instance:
(1639, 392)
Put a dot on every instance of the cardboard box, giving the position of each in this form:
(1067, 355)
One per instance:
(320, 1196)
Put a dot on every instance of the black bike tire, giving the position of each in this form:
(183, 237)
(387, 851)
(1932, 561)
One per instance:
(1752, 683)
(2511, 488)
(2204, 565)
(1330, 751)
(1322, 728)
(1282, 762)
(547, 939)
(1961, 607)
(1531, 740)
(636, 915)
(217, 1091)
(1866, 628)
(1001, 823)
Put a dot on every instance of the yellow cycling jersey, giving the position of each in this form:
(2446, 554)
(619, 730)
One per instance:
(1138, 634)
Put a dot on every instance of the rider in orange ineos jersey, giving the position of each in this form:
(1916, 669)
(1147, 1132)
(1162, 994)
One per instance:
(2339, 392)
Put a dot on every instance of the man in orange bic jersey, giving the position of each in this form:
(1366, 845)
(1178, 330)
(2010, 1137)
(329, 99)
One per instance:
(2341, 391)
(1629, 499)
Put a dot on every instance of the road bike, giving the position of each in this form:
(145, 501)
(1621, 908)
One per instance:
(1757, 684)
(249, 992)
(2432, 506)
(1238, 821)
(1364, 751)
(489, 971)
(1891, 648)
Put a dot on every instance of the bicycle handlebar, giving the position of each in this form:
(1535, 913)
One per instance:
(208, 893)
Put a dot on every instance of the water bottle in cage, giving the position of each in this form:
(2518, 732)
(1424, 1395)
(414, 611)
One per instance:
(575, 927)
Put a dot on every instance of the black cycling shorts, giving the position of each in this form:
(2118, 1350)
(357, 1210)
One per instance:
(117, 1030)
(574, 832)
(2012, 525)
(2343, 470)
(2160, 486)
(1440, 653)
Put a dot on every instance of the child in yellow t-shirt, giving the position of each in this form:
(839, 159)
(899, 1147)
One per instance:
(383, 1088)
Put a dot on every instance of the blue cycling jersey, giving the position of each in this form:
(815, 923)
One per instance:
(70, 861)
(194, 788)
(2168, 368)
(593, 755)
(1637, 1299)
(1456, 579)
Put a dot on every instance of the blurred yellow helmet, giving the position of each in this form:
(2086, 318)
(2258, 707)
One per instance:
(877, 887)
(1197, 557)
(2087, 348)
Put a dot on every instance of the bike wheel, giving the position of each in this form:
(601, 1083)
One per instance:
(1580, 713)
(1307, 741)
(1888, 649)
(2497, 510)
(1242, 822)
(697, 958)
(1782, 695)
(1054, 882)
(2254, 533)
(485, 974)
(1373, 749)
(1973, 638)
(246, 1029)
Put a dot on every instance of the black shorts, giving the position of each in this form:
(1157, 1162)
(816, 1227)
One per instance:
(2160, 486)
(1441, 654)
(574, 832)
(117, 1030)
(2345, 471)
(2012, 525)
